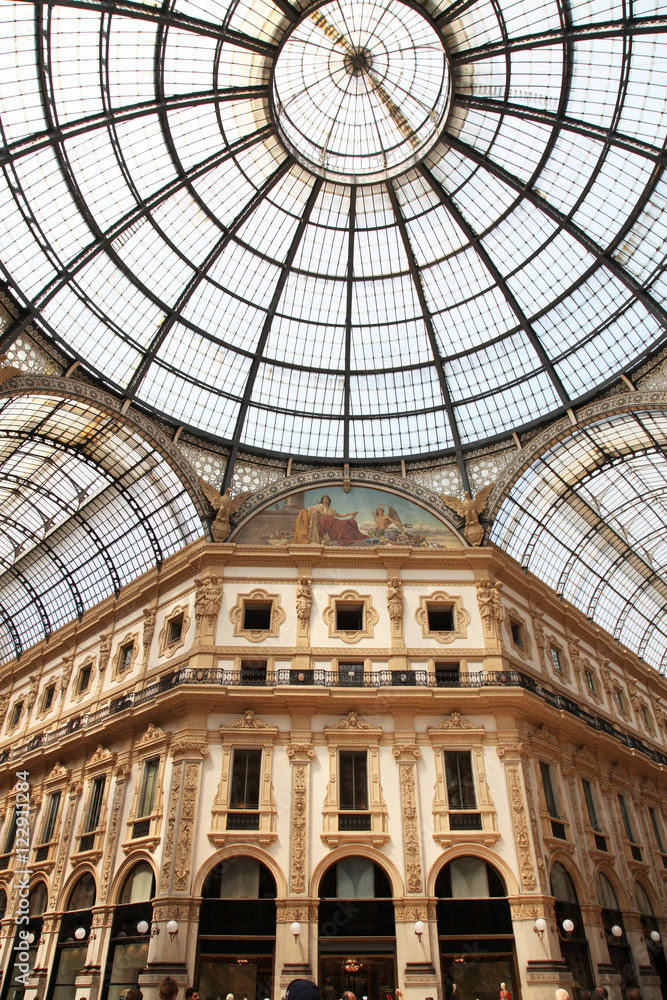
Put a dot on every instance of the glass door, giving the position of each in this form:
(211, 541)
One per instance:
(369, 977)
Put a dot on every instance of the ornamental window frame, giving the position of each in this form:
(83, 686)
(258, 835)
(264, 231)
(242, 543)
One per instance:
(459, 735)
(589, 670)
(99, 766)
(515, 620)
(256, 596)
(620, 700)
(118, 672)
(15, 715)
(564, 674)
(245, 733)
(355, 734)
(45, 850)
(80, 693)
(629, 829)
(369, 616)
(154, 744)
(43, 709)
(444, 600)
(168, 643)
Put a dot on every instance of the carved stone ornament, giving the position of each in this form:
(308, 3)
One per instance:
(101, 756)
(353, 722)
(167, 646)
(250, 721)
(518, 747)
(208, 597)
(460, 615)
(543, 734)
(454, 721)
(413, 868)
(490, 608)
(152, 734)
(58, 772)
(237, 614)
(149, 626)
(295, 749)
(189, 746)
(304, 599)
(521, 833)
(369, 616)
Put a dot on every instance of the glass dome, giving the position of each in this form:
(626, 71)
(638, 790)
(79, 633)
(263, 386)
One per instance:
(351, 230)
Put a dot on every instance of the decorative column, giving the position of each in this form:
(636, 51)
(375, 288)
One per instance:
(537, 953)
(414, 951)
(167, 953)
(299, 952)
(649, 980)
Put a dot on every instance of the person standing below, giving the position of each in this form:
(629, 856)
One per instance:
(347, 995)
(599, 993)
(168, 988)
(504, 993)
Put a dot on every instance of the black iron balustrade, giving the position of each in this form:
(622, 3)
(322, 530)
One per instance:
(245, 820)
(354, 821)
(465, 821)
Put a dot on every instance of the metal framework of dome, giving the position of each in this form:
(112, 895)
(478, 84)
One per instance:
(350, 230)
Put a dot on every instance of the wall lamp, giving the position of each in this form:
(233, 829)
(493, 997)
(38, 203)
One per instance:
(568, 927)
(616, 934)
(295, 929)
(540, 926)
(653, 936)
(419, 929)
(172, 929)
(80, 934)
(142, 928)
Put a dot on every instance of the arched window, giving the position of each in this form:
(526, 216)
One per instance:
(139, 886)
(469, 878)
(3, 903)
(38, 900)
(562, 886)
(84, 893)
(644, 904)
(239, 878)
(355, 878)
(606, 896)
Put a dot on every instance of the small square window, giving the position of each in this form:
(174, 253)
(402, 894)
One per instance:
(440, 617)
(257, 615)
(517, 634)
(125, 660)
(84, 680)
(349, 617)
(556, 660)
(175, 629)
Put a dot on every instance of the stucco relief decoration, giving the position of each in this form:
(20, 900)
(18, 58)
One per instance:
(101, 756)
(182, 860)
(460, 615)
(522, 838)
(299, 827)
(105, 652)
(490, 608)
(149, 616)
(413, 866)
(538, 629)
(65, 674)
(167, 644)
(369, 616)
(4, 705)
(250, 721)
(152, 734)
(188, 746)
(395, 606)
(454, 721)
(470, 508)
(113, 833)
(208, 597)
(237, 614)
(225, 506)
(304, 605)
(165, 872)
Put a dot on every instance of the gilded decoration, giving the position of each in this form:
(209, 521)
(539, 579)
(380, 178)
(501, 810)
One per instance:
(443, 599)
(118, 671)
(167, 645)
(237, 614)
(369, 616)
(246, 732)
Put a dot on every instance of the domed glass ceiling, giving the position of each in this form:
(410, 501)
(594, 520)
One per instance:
(353, 229)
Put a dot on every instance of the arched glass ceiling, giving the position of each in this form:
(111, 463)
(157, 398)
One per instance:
(158, 227)
(589, 518)
(86, 505)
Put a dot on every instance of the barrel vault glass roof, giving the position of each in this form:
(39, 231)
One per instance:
(361, 229)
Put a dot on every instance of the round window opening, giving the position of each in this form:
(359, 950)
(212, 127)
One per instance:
(361, 89)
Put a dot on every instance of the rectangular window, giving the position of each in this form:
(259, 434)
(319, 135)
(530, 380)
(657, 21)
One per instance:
(590, 805)
(95, 805)
(655, 823)
(625, 815)
(460, 782)
(549, 791)
(349, 617)
(16, 714)
(257, 615)
(620, 700)
(148, 786)
(517, 634)
(440, 617)
(244, 792)
(10, 832)
(84, 680)
(51, 817)
(590, 681)
(353, 766)
(125, 658)
(48, 696)
(556, 660)
(646, 717)
(175, 629)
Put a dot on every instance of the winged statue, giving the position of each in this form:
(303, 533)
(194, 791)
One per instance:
(225, 506)
(470, 508)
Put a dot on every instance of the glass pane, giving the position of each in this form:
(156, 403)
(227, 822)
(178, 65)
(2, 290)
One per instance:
(244, 792)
